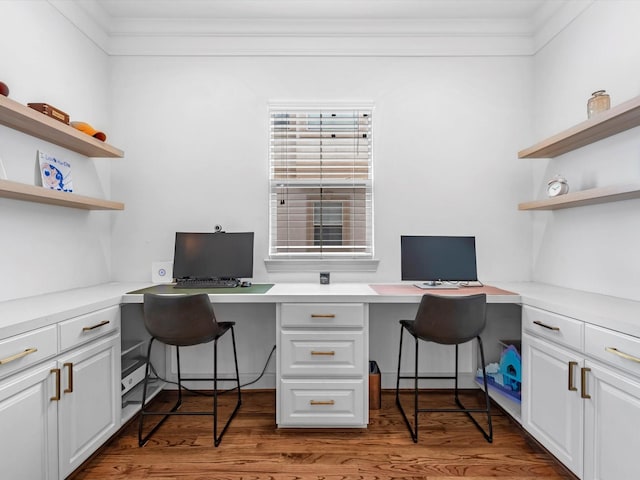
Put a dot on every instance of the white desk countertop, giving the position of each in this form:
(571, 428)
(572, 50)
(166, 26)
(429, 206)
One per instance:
(334, 292)
(24, 314)
(21, 315)
(620, 314)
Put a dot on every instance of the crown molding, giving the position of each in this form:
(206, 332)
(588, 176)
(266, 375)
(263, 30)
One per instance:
(282, 33)
(319, 46)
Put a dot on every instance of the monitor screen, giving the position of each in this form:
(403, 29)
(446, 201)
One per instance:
(213, 255)
(433, 258)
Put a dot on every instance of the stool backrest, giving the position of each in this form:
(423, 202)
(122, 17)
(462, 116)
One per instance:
(450, 319)
(180, 319)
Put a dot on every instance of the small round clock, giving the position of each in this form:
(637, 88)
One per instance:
(557, 186)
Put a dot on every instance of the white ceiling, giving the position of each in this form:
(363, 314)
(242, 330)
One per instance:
(415, 27)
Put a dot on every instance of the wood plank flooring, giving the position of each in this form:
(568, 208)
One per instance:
(450, 447)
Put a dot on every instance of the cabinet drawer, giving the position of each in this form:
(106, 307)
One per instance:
(84, 328)
(313, 353)
(322, 404)
(21, 351)
(322, 315)
(560, 329)
(615, 348)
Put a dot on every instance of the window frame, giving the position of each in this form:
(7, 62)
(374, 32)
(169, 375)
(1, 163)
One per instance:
(351, 261)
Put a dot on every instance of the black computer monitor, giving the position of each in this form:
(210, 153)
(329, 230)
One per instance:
(438, 258)
(217, 255)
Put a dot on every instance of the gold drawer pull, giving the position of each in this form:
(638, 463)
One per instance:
(98, 325)
(583, 392)
(18, 355)
(69, 388)
(622, 354)
(555, 329)
(322, 402)
(323, 315)
(330, 352)
(56, 397)
(572, 387)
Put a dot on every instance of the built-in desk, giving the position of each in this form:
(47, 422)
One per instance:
(325, 336)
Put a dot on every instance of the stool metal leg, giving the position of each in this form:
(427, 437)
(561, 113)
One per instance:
(217, 439)
(488, 435)
(414, 433)
(142, 440)
(399, 362)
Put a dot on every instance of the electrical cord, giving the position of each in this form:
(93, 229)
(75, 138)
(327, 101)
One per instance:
(220, 392)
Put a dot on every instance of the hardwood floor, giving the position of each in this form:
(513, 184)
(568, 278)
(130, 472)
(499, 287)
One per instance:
(449, 447)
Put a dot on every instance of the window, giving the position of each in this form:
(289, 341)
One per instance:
(327, 223)
(321, 183)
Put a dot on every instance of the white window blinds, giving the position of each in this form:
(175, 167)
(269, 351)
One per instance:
(321, 183)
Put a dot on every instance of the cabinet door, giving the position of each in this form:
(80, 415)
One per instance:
(551, 411)
(612, 423)
(28, 422)
(89, 411)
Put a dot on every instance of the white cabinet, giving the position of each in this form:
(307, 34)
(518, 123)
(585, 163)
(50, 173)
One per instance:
(29, 424)
(89, 407)
(552, 409)
(322, 368)
(612, 423)
(59, 394)
(612, 409)
(581, 394)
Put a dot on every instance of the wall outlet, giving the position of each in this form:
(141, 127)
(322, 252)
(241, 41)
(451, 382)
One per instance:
(162, 272)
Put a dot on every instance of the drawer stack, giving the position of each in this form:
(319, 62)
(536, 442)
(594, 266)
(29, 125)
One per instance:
(322, 365)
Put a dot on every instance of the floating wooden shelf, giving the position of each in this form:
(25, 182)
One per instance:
(31, 193)
(27, 120)
(584, 197)
(605, 124)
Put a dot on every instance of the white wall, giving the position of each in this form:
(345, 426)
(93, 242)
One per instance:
(593, 248)
(43, 248)
(446, 133)
(447, 130)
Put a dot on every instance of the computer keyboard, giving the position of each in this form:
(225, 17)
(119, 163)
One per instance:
(209, 283)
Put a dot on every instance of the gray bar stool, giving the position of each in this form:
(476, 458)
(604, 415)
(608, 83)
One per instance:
(181, 321)
(448, 320)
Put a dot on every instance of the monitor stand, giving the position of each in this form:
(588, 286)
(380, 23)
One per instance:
(436, 286)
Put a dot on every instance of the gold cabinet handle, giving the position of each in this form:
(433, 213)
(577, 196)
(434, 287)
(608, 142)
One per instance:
(322, 402)
(69, 388)
(626, 356)
(323, 315)
(18, 355)
(330, 352)
(572, 387)
(548, 327)
(583, 392)
(98, 325)
(56, 397)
